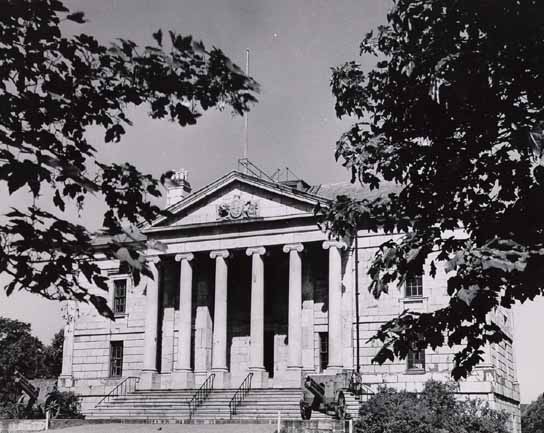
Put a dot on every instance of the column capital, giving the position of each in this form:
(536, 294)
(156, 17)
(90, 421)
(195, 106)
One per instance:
(184, 256)
(153, 259)
(293, 247)
(334, 244)
(256, 250)
(219, 253)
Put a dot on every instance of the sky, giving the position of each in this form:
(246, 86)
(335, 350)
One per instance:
(293, 45)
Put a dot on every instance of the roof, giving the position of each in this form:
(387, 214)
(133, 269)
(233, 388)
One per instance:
(312, 194)
(355, 190)
(237, 176)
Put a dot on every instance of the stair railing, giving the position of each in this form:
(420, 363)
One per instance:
(122, 388)
(240, 394)
(201, 394)
(356, 385)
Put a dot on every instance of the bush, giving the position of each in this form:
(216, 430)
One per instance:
(61, 405)
(532, 419)
(435, 410)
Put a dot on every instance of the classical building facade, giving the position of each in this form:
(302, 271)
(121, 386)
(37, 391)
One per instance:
(249, 283)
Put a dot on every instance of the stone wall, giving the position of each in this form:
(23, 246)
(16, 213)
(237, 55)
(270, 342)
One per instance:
(494, 380)
(93, 335)
(21, 425)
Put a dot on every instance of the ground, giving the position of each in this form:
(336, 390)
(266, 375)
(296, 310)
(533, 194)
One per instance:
(170, 428)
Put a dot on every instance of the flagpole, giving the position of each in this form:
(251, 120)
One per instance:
(246, 135)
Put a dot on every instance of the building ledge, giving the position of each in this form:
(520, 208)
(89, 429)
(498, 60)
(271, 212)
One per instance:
(414, 299)
(415, 371)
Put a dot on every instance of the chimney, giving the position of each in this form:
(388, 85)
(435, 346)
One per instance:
(177, 187)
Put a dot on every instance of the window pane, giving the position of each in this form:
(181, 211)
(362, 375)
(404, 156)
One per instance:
(119, 296)
(323, 350)
(169, 277)
(116, 359)
(414, 286)
(416, 360)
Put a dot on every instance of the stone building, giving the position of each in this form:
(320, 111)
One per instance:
(249, 283)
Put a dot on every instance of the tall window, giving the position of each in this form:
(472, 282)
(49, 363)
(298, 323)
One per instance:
(414, 286)
(120, 296)
(415, 361)
(169, 278)
(116, 359)
(323, 350)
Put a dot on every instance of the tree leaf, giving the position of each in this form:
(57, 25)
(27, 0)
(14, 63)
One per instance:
(158, 37)
(77, 17)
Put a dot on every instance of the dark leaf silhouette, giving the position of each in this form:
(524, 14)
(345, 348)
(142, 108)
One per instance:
(451, 116)
(77, 17)
(64, 84)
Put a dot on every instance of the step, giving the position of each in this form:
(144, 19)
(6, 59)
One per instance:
(173, 405)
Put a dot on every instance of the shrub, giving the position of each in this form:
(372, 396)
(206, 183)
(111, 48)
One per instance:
(532, 419)
(435, 410)
(63, 405)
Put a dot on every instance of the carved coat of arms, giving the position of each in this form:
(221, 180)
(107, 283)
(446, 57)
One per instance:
(238, 209)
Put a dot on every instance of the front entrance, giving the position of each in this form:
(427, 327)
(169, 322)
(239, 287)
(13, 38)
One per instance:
(269, 352)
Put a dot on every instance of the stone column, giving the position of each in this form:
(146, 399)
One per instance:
(294, 336)
(335, 304)
(295, 304)
(219, 350)
(151, 326)
(183, 376)
(66, 379)
(256, 350)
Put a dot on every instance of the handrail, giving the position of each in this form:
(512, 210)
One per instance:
(201, 394)
(356, 385)
(123, 388)
(240, 394)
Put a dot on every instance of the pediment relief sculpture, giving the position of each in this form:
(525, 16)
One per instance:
(237, 209)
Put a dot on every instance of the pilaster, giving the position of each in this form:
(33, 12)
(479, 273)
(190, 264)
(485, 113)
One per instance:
(66, 378)
(151, 326)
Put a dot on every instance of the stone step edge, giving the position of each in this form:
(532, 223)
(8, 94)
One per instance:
(209, 421)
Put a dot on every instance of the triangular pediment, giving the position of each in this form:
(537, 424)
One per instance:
(239, 197)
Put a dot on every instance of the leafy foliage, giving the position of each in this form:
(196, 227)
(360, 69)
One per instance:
(63, 405)
(19, 350)
(60, 405)
(532, 419)
(452, 114)
(435, 410)
(52, 365)
(52, 87)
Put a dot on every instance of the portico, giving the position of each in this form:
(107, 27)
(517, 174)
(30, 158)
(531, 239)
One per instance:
(239, 344)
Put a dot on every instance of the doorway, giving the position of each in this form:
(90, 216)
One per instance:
(269, 352)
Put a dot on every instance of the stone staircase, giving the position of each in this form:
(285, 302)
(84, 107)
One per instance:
(144, 405)
(265, 403)
(259, 404)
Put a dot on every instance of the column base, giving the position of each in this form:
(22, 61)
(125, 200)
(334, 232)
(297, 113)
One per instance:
(183, 379)
(294, 377)
(222, 378)
(148, 379)
(200, 377)
(334, 369)
(66, 382)
(260, 377)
